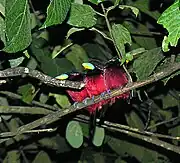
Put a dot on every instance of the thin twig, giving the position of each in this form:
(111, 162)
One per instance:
(164, 122)
(24, 110)
(16, 96)
(41, 130)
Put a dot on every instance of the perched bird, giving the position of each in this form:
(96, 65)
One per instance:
(107, 78)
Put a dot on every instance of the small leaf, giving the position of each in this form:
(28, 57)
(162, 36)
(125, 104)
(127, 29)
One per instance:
(145, 7)
(43, 98)
(98, 136)
(126, 148)
(78, 1)
(48, 143)
(62, 100)
(169, 101)
(16, 62)
(59, 50)
(170, 19)
(165, 64)
(18, 27)
(13, 125)
(56, 12)
(147, 62)
(139, 38)
(73, 30)
(28, 92)
(82, 16)
(77, 56)
(4, 102)
(133, 9)
(134, 120)
(32, 63)
(74, 134)
(121, 36)
(2, 7)
(42, 157)
(85, 129)
(175, 132)
(96, 2)
(130, 55)
(13, 156)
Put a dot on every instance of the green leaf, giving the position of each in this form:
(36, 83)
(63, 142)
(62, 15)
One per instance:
(74, 134)
(82, 16)
(121, 36)
(98, 136)
(165, 64)
(144, 7)
(49, 66)
(57, 66)
(126, 148)
(28, 92)
(32, 63)
(147, 62)
(140, 39)
(134, 120)
(166, 114)
(73, 30)
(60, 49)
(13, 156)
(42, 157)
(2, 29)
(96, 2)
(77, 56)
(169, 101)
(62, 100)
(99, 158)
(96, 51)
(175, 132)
(56, 12)
(2, 7)
(43, 98)
(170, 19)
(13, 125)
(78, 1)
(117, 2)
(4, 102)
(130, 55)
(85, 129)
(18, 27)
(133, 9)
(16, 62)
(48, 143)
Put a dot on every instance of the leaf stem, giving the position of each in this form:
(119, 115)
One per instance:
(110, 31)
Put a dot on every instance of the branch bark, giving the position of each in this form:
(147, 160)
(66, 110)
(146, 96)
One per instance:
(21, 71)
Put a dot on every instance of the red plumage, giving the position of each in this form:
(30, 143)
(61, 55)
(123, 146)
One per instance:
(110, 78)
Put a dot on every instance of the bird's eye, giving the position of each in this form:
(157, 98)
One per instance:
(62, 76)
(88, 66)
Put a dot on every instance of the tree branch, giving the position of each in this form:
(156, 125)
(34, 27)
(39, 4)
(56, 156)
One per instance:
(16, 96)
(136, 133)
(24, 110)
(21, 71)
